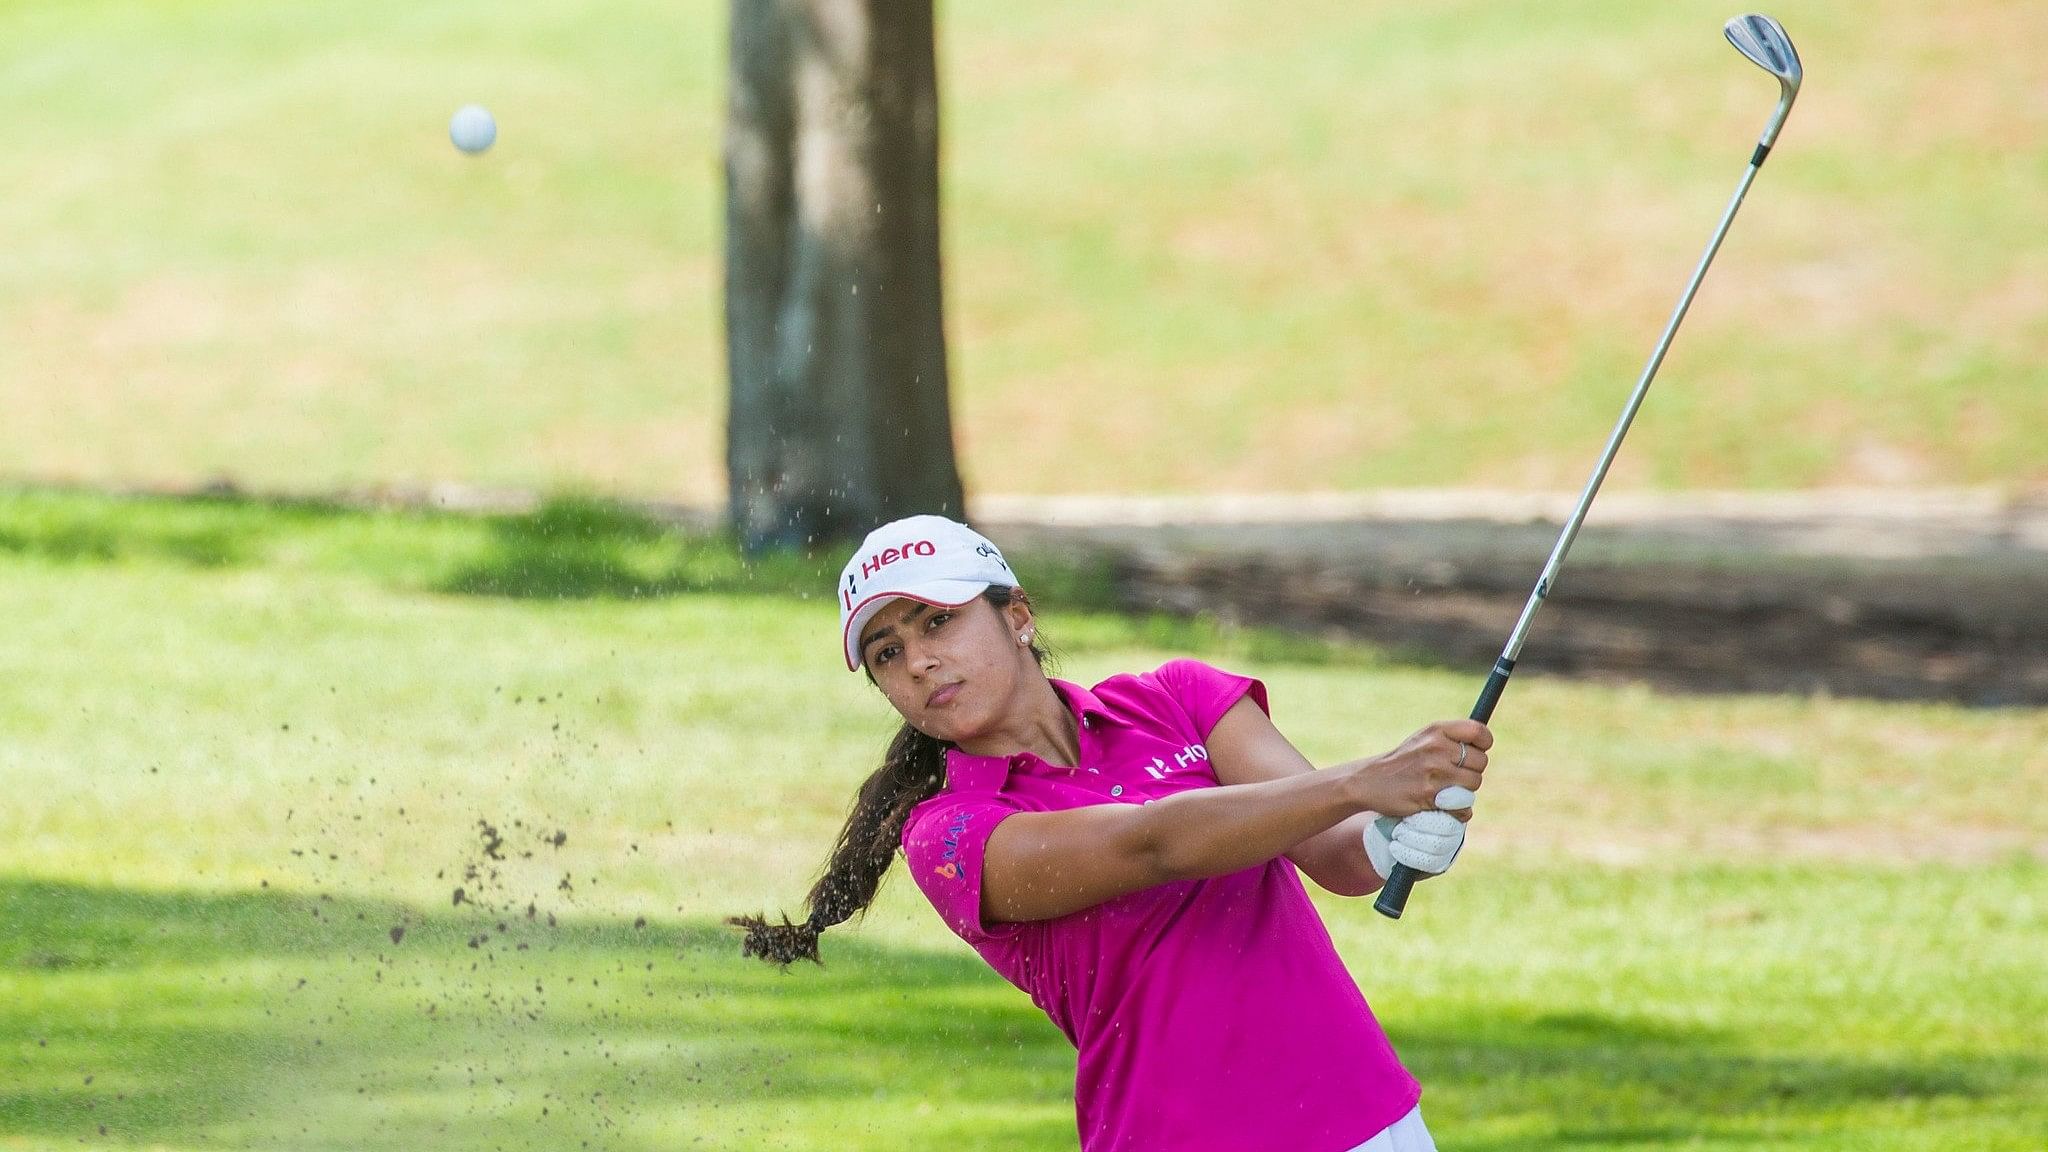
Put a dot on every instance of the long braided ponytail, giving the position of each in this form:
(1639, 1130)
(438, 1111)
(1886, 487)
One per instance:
(913, 771)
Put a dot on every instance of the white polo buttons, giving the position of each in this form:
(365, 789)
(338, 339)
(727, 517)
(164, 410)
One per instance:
(1116, 789)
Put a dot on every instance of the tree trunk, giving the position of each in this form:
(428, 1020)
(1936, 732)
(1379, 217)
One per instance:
(834, 336)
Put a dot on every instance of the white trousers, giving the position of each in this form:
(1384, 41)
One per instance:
(1404, 1135)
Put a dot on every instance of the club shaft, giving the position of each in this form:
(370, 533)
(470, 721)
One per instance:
(1393, 897)
(1572, 523)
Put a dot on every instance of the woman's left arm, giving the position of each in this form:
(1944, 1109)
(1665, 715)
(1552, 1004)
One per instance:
(1245, 748)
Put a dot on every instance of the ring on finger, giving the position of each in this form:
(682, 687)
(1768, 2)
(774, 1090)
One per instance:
(1462, 749)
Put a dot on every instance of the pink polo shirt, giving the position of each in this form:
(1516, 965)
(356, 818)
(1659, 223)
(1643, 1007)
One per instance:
(1208, 1014)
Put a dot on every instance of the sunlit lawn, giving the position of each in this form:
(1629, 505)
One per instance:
(249, 754)
(1190, 245)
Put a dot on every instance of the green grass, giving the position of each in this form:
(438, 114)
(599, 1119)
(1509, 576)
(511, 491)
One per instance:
(1627, 1011)
(243, 743)
(1189, 246)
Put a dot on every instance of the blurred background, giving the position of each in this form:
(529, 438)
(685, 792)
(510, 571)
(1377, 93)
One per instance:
(1198, 248)
(409, 576)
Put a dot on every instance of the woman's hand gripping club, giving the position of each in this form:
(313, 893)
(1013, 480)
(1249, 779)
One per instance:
(1427, 839)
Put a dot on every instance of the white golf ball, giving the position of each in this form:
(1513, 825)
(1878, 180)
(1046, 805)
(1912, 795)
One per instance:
(472, 128)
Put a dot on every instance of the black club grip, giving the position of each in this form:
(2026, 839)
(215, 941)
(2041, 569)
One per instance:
(1393, 898)
(1496, 684)
(1394, 893)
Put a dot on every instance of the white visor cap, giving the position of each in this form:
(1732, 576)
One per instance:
(925, 558)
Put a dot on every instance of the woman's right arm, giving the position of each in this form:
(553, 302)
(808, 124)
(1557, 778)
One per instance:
(1039, 865)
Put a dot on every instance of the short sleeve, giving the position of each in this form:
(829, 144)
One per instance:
(944, 842)
(1206, 692)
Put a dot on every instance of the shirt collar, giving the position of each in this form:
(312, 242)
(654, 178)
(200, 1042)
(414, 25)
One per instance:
(969, 773)
(1082, 701)
(966, 772)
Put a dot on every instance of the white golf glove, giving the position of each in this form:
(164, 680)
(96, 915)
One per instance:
(1426, 841)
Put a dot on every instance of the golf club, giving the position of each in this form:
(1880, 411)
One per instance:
(1764, 42)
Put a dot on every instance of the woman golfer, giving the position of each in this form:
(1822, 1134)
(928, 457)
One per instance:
(1130, 856)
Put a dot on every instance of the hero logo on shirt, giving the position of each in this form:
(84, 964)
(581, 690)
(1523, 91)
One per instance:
(1186, 757)
(951, 841)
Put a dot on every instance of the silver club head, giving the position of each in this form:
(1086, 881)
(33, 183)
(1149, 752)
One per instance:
(1763, 40)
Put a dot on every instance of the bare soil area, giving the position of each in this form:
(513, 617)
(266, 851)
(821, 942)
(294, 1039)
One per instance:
(1937, 595)
(1887, 593)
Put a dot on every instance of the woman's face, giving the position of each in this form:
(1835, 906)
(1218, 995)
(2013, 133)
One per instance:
(951, 672)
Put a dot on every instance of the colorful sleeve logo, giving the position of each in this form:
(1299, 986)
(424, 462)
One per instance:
(951, 840)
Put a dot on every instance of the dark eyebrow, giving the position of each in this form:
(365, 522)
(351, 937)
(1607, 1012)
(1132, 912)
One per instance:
(890, 630)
